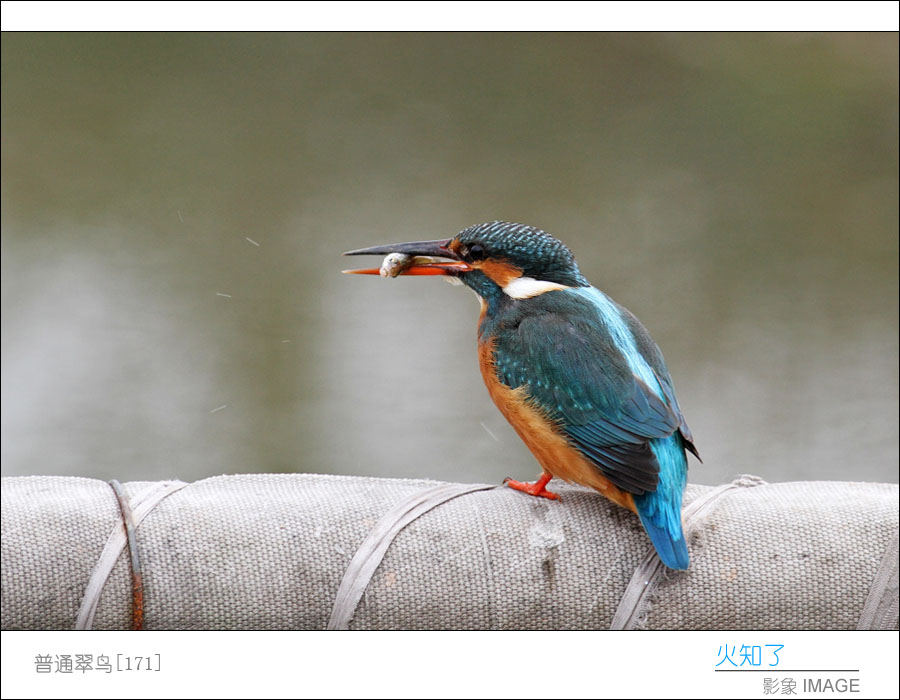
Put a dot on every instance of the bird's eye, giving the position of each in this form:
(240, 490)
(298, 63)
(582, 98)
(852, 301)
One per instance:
(476, 252)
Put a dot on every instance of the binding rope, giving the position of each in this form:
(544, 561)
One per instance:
(133, 513)
(373, 548)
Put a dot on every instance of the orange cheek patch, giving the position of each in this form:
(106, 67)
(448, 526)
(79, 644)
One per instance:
(501, 273)
(454, 246)
(552, 450)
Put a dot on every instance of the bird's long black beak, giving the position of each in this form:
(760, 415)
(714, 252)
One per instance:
(424, 253)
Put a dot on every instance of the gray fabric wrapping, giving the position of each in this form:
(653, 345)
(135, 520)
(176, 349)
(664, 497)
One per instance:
(269, 552)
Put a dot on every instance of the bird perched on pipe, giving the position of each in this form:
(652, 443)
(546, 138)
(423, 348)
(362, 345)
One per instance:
(576, 374)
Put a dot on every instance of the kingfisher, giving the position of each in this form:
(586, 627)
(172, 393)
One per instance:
(576, 375)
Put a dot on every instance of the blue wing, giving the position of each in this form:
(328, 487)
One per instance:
(576, 372)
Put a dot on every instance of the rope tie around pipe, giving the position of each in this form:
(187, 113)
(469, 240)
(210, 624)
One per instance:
(140, 507)
(882, 607)
(373, 548)
(137, 580)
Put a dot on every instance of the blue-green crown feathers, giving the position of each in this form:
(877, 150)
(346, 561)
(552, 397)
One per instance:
(536, 252)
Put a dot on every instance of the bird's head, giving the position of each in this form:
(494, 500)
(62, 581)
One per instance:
(495, 259)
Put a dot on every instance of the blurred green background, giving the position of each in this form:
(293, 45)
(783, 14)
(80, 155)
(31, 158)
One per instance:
(738, 192)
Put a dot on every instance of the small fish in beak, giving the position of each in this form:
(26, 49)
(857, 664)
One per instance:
(396, 264)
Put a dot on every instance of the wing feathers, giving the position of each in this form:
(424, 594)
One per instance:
(576, 374)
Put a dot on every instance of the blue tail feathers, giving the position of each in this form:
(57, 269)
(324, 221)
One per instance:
(670, 546)
(660, 510)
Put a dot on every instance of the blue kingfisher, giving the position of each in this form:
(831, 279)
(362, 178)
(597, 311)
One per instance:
(576, 374)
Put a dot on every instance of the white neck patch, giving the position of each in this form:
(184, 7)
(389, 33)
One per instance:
(527, 287)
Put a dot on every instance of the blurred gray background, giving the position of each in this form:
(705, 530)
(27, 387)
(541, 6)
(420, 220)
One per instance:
(738, 192)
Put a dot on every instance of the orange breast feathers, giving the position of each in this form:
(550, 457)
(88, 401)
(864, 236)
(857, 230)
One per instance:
(547, 443)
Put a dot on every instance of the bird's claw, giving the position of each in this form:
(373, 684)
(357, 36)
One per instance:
(536, 489)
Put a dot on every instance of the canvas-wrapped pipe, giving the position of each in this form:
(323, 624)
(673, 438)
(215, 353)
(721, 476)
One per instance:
(298, 551)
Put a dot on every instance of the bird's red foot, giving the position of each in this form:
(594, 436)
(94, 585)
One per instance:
(538, 488)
